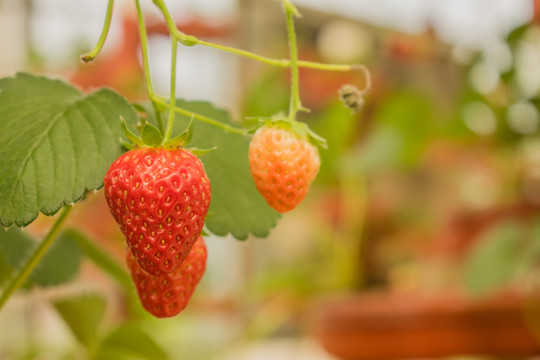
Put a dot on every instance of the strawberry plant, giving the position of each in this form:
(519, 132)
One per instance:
(57, 144)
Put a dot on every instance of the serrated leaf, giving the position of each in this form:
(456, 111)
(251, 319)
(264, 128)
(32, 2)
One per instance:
(59, 265)
(236, 207)
(55, 144)
(130, 342)
(151, 136)
(83, 315)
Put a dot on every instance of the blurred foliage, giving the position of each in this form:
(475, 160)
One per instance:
(502, 256)
(82, 314)
(129, 342)
(59, 265)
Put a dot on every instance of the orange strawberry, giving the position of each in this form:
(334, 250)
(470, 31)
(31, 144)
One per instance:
(283, 164)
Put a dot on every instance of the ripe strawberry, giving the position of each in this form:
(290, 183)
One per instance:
(167, 295)
(283, 165)
(160, 198)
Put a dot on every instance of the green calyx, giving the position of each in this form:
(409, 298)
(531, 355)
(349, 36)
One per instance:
(151, 137)
(301, 129)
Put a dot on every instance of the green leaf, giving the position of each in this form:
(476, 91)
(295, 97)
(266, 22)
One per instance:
(59, 265)
(236, 207)
(130, 342)
(56, 143)
(495, 260)
(83, 315)
(15, 247)
(151, 136)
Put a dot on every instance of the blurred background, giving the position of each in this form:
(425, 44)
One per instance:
(420, 238)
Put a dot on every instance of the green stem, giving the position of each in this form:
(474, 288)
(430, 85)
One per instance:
(295, 103)
(206, 119)
(172, 99)
(294, 63)
(176, 35)
(192, 40)
(104, 32)
(245, 53)
(168, 18)
(146, 64)
(33, 260)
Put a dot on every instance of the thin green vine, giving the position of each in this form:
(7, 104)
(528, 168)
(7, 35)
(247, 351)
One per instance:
(104, 32)
(172, 99)
(29, 265)
(206, 119)
(160, 103)
(146, 65)
(295, 104)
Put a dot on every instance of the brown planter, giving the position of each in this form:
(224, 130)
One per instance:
(383, 327)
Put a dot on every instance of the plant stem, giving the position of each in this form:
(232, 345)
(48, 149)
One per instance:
(192, 40)
(294, 104)
(245, 53)
(146, 65)
(104, 32)
(294, 63)
(172, 99)
(206, 119)
(168, 18)
(23, 273)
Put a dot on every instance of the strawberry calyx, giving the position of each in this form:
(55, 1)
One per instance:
(302, 130)
(151, 137)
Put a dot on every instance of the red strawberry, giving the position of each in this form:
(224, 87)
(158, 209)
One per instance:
(160, 198)
(283, 165)
(167, 295)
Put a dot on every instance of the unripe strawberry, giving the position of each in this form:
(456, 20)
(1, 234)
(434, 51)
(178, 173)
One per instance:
(160, 198)
(167, 295)
(283, 165)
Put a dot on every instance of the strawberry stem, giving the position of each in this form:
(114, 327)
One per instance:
(172, 99)
(188, 40)
(146, 66)
(90, 56)
(29, 265)
(295, 104)
(202, 118)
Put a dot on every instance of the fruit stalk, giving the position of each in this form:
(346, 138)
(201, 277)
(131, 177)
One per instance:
(172, 99)
(146, 66)
(294, 105)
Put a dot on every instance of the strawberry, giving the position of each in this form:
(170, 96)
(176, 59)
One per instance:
(160, 198)
(283, 164)
(167, 295)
